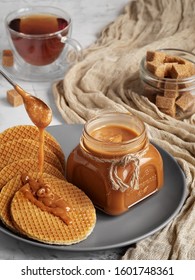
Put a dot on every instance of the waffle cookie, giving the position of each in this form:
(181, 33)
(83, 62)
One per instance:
(7, 193)
(15, 150)
(31, 221)
(32, 132)
(25, 166)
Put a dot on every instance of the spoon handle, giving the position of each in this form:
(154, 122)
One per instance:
(7, 77)
(17, 87)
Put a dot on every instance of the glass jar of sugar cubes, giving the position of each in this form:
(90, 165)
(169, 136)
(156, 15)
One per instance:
(168, 80)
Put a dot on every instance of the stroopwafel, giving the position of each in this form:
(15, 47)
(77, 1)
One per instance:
(32, 132)
(7, 193)
(15, 150)
(45, 227)
(25, 166)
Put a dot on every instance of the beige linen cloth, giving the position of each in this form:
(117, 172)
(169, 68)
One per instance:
(103, 81)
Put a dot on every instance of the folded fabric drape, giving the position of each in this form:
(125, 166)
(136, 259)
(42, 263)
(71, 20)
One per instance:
(107, 79)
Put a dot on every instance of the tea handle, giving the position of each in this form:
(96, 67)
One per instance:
(75, 45)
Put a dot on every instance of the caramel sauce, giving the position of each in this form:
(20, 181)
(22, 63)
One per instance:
(41, 150)
(41, 195)
(113, 134)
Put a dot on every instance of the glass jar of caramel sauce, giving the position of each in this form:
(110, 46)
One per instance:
(114, 163)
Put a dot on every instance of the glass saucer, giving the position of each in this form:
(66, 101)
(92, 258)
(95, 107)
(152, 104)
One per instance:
(26, 72)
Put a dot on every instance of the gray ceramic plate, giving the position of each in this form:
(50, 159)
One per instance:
(142, 220)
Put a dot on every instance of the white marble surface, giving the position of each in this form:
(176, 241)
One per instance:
(89, 17)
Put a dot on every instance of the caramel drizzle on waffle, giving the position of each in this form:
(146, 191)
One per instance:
(42, 196)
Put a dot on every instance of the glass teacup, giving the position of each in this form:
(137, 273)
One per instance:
(40, 37)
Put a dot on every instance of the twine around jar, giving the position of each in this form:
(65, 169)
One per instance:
(116, 181)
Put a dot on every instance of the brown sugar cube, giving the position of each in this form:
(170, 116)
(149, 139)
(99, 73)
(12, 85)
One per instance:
(191, 67)
(171, 85)
(7, 52)
(7, 58)
(171, 94)
(183, 85)
(185, 101)
(189, 64)
(168, 67)
(165, 102)
(14, 98)
(179, 71)
(171, 90)
(171, 112)
(159, 84)
(174, 59)
(156, 69)
(155, 56)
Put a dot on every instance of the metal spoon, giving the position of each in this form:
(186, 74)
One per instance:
(39, 113)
